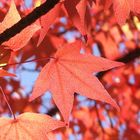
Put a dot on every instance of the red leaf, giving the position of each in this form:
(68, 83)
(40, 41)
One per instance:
(4, 56)
(135, 6)
(71, 72)
(122, 9)
(47, 20)
(108, 46)
(5, 73)
(28, 126)
(21, 39)
(79, 14)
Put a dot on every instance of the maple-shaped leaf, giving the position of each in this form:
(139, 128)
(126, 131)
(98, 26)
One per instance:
(5, 73)
(28, 126)
(21, 39)
(71, 72)
(122, 9)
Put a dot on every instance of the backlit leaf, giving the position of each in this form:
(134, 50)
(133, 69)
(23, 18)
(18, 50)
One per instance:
(21, 39)
(28, 126)
(71, 72)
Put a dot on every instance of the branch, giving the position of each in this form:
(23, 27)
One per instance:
(130, 56)
(27, 20)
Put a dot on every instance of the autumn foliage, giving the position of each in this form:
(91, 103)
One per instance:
(70, 70)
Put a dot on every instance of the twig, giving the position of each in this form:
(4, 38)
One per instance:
(33, 60)
(130, 56)
(6, 100)
(98, 116)
(27, 20)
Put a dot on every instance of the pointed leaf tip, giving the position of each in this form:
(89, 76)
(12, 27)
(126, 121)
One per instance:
(5, 73)
(73, 72)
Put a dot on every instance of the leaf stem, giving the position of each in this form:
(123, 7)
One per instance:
(33, 60)
(110, 120)
(6, 100)
(98, 117)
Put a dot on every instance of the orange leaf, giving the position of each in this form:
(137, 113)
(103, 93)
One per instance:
(28, 126)
(21, 39)
(71, 72)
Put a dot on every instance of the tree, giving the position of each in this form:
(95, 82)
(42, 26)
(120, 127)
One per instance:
(65, 58)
